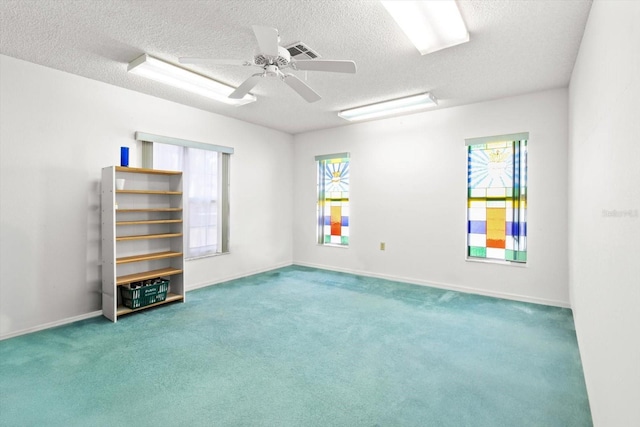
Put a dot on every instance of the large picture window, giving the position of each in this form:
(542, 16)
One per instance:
(497, 198)
(205, 170)
(201, 182)
(333, 199)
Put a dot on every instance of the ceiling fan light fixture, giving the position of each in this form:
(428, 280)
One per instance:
(430, 25)
(388, 108)
(163, 72)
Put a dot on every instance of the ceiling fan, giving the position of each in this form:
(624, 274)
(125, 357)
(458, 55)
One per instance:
(273, 58)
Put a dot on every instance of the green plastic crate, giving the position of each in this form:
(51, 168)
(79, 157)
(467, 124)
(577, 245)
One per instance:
(145, 295)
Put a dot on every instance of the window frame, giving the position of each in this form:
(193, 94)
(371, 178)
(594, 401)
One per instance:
(518, 199)
(223, 206)
(324, 202)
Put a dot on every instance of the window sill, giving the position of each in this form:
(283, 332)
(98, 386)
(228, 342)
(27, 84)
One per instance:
(193, 258)
(498, 262)
(332, 246)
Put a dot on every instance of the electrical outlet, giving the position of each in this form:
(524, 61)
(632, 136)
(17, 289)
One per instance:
(382, 246)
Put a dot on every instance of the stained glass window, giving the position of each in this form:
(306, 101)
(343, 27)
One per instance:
(333, 199)
(497, 198)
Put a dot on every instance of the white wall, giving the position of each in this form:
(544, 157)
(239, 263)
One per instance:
(408, 189)
(605, 210)
(57, 132)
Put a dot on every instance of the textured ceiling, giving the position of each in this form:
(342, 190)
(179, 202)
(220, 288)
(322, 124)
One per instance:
(515, 47)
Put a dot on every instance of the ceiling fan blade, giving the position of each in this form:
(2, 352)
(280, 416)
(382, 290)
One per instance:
(208, 61)
(245, 87)
(302, 88)
(267, 38)
(336, 66)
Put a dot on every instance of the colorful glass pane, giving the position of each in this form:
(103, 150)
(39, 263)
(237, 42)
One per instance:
(333, 201)
(496, 196)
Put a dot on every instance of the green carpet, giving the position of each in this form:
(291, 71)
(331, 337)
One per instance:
(303, 347)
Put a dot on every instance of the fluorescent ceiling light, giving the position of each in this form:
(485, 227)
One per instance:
(388, 108)
(152, 68)
(430, 25)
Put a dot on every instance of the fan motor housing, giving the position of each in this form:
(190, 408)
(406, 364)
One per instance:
(282, 60)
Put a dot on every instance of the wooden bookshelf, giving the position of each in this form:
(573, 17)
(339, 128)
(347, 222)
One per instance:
(146, 171)
(151, 218)
(146, 275)
(147, 222)
(122, 310)
(148, 257)
(148, 210)
(148, 236)
(158, 192)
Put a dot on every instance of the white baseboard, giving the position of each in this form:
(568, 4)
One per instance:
(236, 276)
(99, 313)
(51, 324)
(446, 286)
